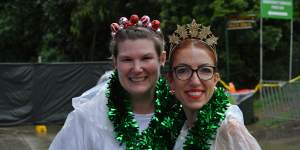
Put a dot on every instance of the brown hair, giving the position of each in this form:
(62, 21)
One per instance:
(135, 33)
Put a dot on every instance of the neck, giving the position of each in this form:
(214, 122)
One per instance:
(143, 104)
(191, 116)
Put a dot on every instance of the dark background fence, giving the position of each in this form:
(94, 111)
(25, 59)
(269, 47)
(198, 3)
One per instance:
(42, 93)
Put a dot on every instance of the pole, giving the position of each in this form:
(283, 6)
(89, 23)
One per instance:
(291, 52)
(261, 52)
(227, 56)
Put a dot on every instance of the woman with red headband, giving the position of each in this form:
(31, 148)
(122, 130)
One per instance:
(131, 111)
(211, 123)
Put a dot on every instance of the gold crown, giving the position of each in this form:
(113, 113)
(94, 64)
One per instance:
(193, 31)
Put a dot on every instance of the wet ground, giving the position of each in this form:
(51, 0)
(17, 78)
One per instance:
(26, 138)
(282, 137)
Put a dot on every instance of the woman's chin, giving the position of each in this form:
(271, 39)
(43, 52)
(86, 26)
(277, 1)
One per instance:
(139, 91)
(195, 105)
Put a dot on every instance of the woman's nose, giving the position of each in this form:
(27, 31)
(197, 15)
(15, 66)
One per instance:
(195, 78)
(137, 66)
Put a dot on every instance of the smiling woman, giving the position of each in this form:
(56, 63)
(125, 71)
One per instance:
(128, 112)
(137, 64)
(211, 123)
(192, 92)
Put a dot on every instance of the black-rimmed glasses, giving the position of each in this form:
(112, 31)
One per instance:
(185, 72)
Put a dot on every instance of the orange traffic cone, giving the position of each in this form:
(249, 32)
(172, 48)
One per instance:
(231, 88)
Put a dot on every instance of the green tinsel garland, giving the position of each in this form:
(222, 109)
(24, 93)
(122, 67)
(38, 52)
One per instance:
(208, 121)
(167, 120)
(161, 133)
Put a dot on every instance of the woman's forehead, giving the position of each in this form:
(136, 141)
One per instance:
(193, 56)
(139, 44)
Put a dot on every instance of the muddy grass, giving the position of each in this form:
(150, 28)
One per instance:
(276, 134)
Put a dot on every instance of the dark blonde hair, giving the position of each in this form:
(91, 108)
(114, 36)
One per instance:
(135, 33)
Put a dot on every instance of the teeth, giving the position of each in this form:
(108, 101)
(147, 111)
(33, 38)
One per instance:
(194, 93)
(137, 79)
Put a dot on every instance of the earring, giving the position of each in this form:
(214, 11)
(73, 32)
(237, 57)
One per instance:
(172, 92)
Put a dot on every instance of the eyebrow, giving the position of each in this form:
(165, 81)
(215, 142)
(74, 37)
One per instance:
(129, 56)
(148, 54)
(205, 65)
(202, 65)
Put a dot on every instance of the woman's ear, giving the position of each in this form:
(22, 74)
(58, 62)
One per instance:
(114, 62)
(216, 78)
(171, 83)
(163, 57)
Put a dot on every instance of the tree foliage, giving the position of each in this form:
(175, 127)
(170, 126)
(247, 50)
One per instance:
(215, 14)
(243, 44)
(65, 30)
(79, 30)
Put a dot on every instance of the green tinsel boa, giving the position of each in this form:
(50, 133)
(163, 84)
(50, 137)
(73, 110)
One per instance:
(208, 121)
(159, 134)
(167, 120)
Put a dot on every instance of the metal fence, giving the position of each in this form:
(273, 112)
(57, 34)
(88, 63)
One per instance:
(281, 100)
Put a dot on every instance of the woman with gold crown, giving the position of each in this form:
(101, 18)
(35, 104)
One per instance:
(211, 122)
(132, 110)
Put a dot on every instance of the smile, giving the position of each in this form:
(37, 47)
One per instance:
(194, 93)
(137, 79)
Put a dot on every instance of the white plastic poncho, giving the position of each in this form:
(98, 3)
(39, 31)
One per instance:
(87, 127)
(231, 135)
(91, 93)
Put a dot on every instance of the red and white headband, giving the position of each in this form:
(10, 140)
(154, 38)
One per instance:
(135, 21)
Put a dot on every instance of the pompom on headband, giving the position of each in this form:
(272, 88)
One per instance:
(135, 21)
